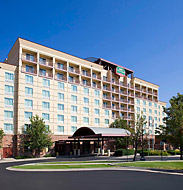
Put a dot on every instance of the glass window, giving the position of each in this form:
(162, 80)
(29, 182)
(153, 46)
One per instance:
(73, 88)
(150, 103)
(97, 93)
(144, 110)
(163, 113)
(138, 109)
(27, 115)
(28, 103)
(97, 111)
(144, 102)
(29, 69)
(46, 83)
(86, 91)
(42, 60)
(8, 128)
(97, 121)
(73, 129)
(8, 89)
(8, 114)
(94, 75)
(28, 91)
(86, 110)
(29, 57)
(150, 111)
(155, 111)
(138, 101)
(155, 118)
(46, 105)
(107, 113)
(156, 125)
(97, 102)
(71, 68)
(86, 100)
(60, 66)
(84, 82)
(71, 79)
(46, 116)
(8, 101)
(155, 105)
(94, 84)
(74, 109)
(60, 118)
(60, 76)
(74, 99)
(107, 121)
(42, 72)
(60, 85)
(86, 120)
(159, 107)
(150, 118)
(60, 129)
(45, 94)
(74, 119)
(29, 79)
(60, 96)
(60, 107)
(9, 77)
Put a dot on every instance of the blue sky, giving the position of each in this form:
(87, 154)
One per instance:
(143, 35)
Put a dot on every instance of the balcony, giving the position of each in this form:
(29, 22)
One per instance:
(61, 67)
(106, 98)
(123, 109)
(137, 88)
(106, 80)
(131, 87)
(29, 71)
(97, 86)
(46, 75)
(107, 89)
(130, 118)
(74, 70)
(137, 96)
(74, 81)
(86, 74)
(144, 90)
(123, 93)
(115, 91)
(115, 82)
(150, 99)
(106, 106)
(115, 107)
(123, 101)
(131, 110)
(155, 93)
(96, 77)
(131, 102)
(29, 58)
(45, 62)
(123, 84)
(131, 95)
(150, 92)
(124, 117)
(144, 97)
(62, 78)
(87, 84)
(115, 99)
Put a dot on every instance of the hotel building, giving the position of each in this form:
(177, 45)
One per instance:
(69, 92)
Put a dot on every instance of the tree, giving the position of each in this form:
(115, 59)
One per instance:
(173, 128)
(37, 135)
(1, 139)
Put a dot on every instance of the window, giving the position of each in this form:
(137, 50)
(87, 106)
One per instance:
(60, 129)
(97, 112)
(158, 107)
(61, 107)
(97, 121)
(73, 129)
(150, 118)
(144, 116)
(97, 93)
(60, 86)
(155, 105)
(86, 100)
(94, 84)
(84, 82)
(85, 120)
(60, 76)
(85, 72)
(74, 109)
(71, 69)
(144, 103)
(46, 116)
(107, 121)
(9, 77)
(86, 91)
(107, 113)
(47, 127)
(8, 89)
(74, 119)
(28, 91)
(8, 128)
(29, 57)
(86, 110)
(29, 79)
(46, 105)
(60, 65)
(105, 104)
(163, 114)
(28, 104)
(42, 72)
(159, 119)
(42, 61)
(45, 94)
(138, 101)
(97, 102)
(46, 83)
(61, 96)
(29, 69)
(144, 110)
(150, 103)
(8, 114)
(155, 112)
(74, 99)
(60, 118)
(71, 79)
(94, 75)
(8, 102)
(138, 109)
(27, 115)
(150, 111)
(155, 118)
(156, 125)
(159, 113)
(73, 88)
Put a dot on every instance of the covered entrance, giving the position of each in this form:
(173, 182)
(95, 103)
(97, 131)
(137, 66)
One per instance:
(90, 140)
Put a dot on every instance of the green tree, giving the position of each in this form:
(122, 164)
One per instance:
(1, 139)
(37, 135)
(173, 128)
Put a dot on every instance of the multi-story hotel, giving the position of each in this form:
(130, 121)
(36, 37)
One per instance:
(69, 92)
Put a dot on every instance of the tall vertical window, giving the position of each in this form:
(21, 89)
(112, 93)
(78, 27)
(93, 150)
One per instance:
(29, 57)
(46, 116)
(8, 89)
(71, 79)
(29, 79)
(85, 120)
(60, 118)
(46, 83)
(155, 105)
(144, 110)
(138, 109)
(61, 96)
(8, 102)
(28, 104)
(42, 72)
(155, 112)
(60, 85)
(60, 65)
(74, 99)
(107, 113)
(86, 110)
(144, 103)
(74, 109)
(86, 91)
(74, 119)
(97, 93)
(73, 88)
(29, 69)
(150, 111)
(46, 105)
(60, 76)
(42, 61)
(97, 102)
(97, 121)
(86, 101)
(9, 77)
(8, 128)
(8, 115)
(73, 129)
(28, 91)
(150, 104)
(61, 107)
(97, 112)
(46, 94)
(27, 115)
(138, 101)
(60, 129)
(107, 121)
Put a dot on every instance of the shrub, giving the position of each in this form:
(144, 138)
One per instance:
(123, 152)
(155, 153)
(23, 157)
(48, 155)
(174, 152)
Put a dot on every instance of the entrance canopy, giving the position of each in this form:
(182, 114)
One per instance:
(99, 132)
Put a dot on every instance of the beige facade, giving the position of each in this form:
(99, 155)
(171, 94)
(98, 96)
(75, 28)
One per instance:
(70, 92)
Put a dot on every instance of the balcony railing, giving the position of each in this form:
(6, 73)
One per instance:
(62, 68)
(124, 117)
(30, 71)
(130, 94)
(130, 118)
(74, 70)
(47, 75)
(97, 77)
(123, 84)
(107, 89)
(106, 106)
(150, 92)
(115, 107)
(155, 93)
(115, 99)
(123, 93)
(75, 81)
(137, 96)
(63, 78)
(115, 116)
(144, 90)
(29, 59)
(116, 82)
(97, 86)
(130, 86)
(86, 74)
(131, 110)
(123, 109)
(46, 63)
(107, 97)
(86, 84)
(131, 102)
(137, 88)
(106, 80)
(115, 91)
(123, 101)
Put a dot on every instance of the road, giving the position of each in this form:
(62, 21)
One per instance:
(85, 180)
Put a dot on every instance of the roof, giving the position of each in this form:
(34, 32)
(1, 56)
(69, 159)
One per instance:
(147, 81)
(97, 132)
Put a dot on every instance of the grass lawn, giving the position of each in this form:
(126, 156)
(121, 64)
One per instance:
(159, 165)
(61, 166)
(78, 162)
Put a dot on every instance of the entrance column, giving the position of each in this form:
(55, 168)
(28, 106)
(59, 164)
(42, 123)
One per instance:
(102, 146)
(98, 147)
(78, 147)
(108, 151)
(74, 147)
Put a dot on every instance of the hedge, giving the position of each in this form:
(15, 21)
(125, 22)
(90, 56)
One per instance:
(123, 152)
